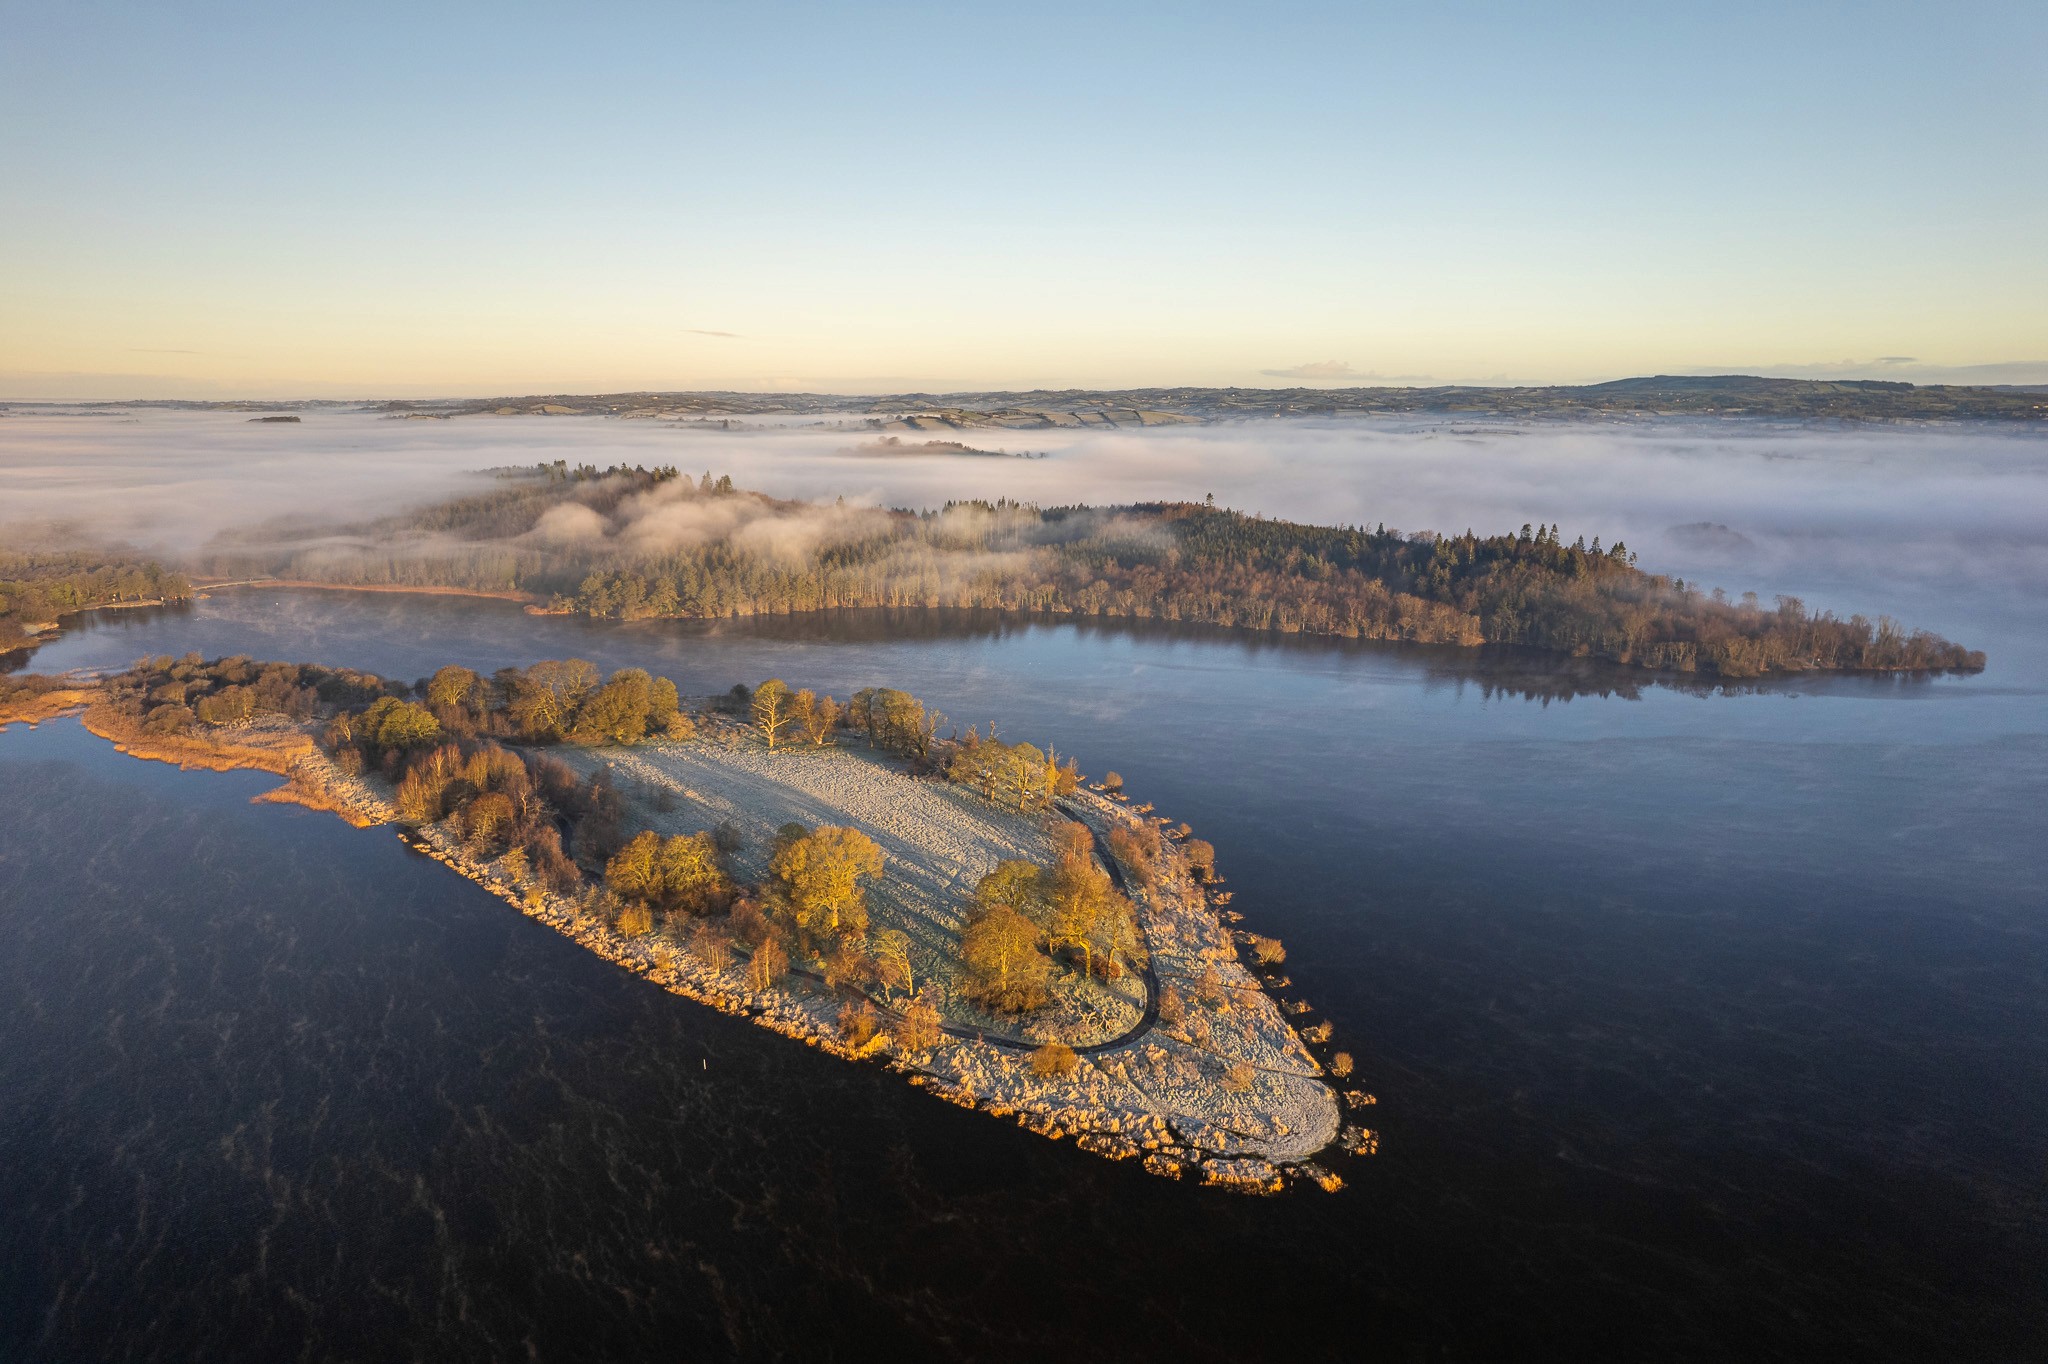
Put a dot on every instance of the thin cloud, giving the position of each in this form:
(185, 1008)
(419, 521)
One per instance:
(729, 336)
(1339, 370)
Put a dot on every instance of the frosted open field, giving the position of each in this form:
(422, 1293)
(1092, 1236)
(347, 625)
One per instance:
(937, 840)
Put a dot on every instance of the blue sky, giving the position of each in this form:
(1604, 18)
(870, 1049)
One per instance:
(369, 199)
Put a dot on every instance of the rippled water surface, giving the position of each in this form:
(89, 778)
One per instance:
(1703, 1026)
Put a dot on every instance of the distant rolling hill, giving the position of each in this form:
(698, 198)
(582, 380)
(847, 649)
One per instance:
(1705, 395)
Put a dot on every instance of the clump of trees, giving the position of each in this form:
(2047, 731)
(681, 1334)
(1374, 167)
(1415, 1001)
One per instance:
(1029, 921)
(812, 908)
(681, 874)
(919, 1028)
(170, 696)
(768, 964)
(891, 720)
(1003, 948)
(859, 1022)
(498, 802)
(556, 701)
(894, 721)
(1140, 849)
(390, 722)
(442, 744)
(819, 883)
(27, 686)
(1019, 775)
(1054, 1060)
(786, 716)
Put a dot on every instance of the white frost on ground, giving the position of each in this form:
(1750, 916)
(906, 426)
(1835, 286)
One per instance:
(938, 841)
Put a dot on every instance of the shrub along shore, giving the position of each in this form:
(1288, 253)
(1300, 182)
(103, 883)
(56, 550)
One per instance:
(1006, 934)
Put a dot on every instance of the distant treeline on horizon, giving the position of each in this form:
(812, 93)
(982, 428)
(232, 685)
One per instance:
(1689, 395)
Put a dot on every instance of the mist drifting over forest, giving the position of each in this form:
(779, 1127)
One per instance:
(1746, 505)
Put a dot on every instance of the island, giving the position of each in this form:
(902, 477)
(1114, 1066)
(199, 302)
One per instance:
(631, 543)
(969, 912)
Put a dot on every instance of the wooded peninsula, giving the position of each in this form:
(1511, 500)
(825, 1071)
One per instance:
(633, 543)
(852, 872)
(35, 589)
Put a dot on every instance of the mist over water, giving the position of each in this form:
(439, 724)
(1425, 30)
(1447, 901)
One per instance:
(1844, 515)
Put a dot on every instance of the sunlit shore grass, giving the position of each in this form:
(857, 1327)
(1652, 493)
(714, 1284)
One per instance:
(32, 708)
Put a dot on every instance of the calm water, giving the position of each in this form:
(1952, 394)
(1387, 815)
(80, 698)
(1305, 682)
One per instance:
(1703, 1026)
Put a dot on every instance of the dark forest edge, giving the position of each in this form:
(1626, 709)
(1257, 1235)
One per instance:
(632, 543)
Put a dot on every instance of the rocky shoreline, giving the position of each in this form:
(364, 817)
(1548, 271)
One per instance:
(1156, 1097)
(1229, 1094)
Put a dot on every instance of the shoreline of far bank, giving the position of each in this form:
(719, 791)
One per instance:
(524, 598)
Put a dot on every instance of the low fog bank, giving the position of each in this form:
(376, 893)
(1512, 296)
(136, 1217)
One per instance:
(1851, 517)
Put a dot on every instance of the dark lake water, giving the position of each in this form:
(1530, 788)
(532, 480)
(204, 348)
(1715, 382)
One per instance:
(1703, 1025)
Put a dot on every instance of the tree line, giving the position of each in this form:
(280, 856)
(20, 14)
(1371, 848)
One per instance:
(1174, 561)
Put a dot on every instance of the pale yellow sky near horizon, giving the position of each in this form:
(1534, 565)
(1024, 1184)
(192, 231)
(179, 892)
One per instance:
(202, 207)
(258, 358)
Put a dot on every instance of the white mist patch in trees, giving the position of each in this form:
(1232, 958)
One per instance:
(675, 516)
(667, 518)
(569, 523)
(796, 537)
(974, 525)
